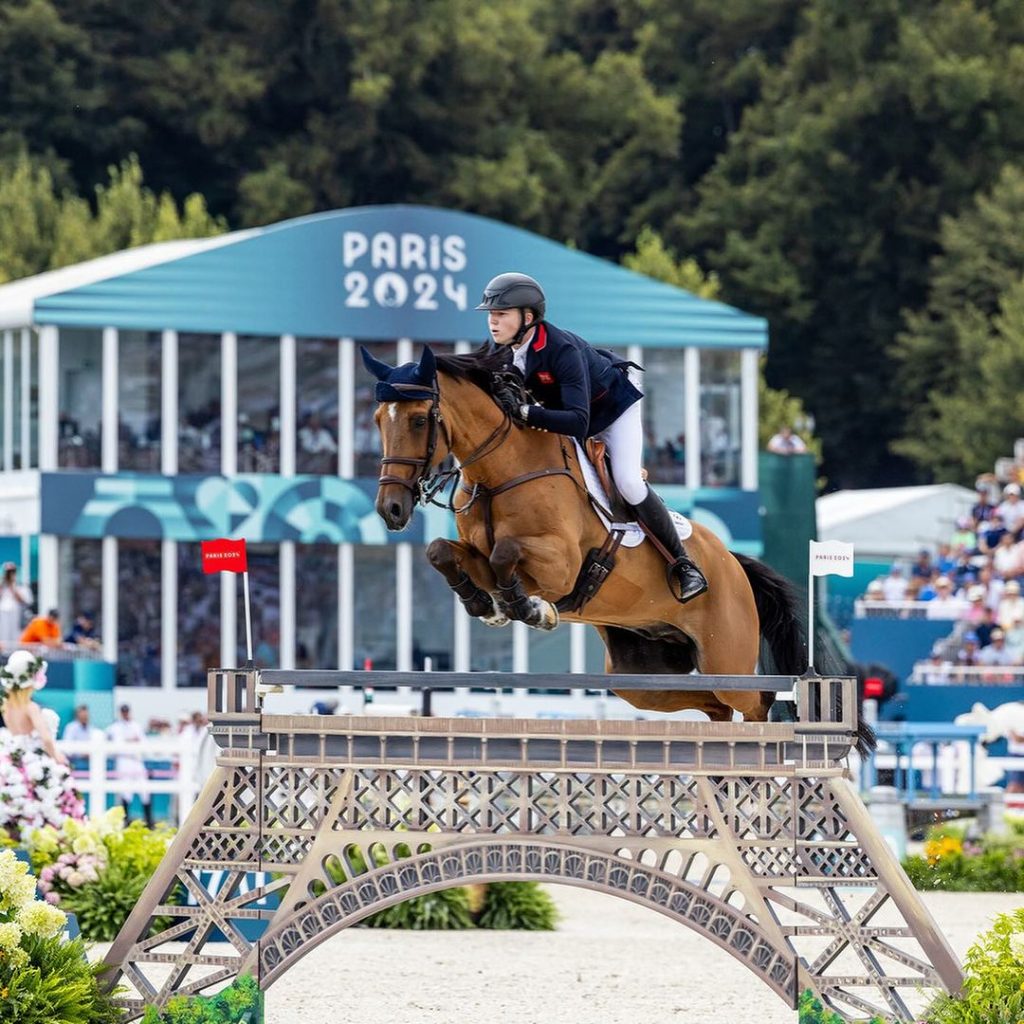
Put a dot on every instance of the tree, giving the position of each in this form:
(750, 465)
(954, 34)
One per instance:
(826, 206)
(961, 357)
(776, 408)
(42, 228)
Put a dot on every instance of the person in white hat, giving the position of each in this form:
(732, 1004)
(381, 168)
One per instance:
(945, 604)
(1012, 508)
(1011, 607)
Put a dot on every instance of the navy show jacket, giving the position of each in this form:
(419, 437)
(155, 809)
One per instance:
(581, 389)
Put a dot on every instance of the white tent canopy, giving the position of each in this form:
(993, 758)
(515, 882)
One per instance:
(893, 522)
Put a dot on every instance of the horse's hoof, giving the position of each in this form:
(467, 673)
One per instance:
(546, 612)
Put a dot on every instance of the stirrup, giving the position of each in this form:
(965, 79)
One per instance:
(685, 580)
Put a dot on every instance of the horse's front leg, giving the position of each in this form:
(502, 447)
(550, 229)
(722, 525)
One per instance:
(512, 598)
(462, 566)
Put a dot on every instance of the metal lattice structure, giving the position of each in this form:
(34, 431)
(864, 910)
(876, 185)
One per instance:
(749, 834)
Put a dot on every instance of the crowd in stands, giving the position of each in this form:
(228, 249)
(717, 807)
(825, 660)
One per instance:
(972, 580)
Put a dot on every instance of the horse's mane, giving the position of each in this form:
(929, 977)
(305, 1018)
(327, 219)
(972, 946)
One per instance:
(476, 367)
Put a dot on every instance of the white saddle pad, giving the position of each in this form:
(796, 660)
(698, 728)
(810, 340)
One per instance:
(632, 535)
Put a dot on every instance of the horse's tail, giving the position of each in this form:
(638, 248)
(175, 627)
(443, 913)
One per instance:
(783, 637)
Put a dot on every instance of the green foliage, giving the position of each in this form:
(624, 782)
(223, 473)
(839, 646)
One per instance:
(444, 910)
(811, 1011)
(954, 863)
(42, 228)
(993, 990)
(56, 985)
(520, 905)
(969, 340)
(240, 1003)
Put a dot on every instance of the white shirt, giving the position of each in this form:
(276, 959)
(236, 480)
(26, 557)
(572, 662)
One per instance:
(75, 732)
(316, 441)
(946, 607)
(894, 588)
(782, 445)
(519, 357)
(1012, 513)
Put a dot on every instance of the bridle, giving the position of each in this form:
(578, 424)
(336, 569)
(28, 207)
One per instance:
(423, 484)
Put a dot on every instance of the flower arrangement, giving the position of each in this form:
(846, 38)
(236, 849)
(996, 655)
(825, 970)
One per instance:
(35, 790)
(43, 978)
(23, 671)
(953, 861)
(97, 869)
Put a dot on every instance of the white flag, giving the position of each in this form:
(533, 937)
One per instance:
(831, 558)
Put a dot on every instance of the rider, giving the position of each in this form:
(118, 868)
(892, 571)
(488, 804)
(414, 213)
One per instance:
(584, 392)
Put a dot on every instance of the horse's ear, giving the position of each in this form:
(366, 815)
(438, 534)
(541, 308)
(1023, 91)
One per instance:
(428, 366)
(380, 370)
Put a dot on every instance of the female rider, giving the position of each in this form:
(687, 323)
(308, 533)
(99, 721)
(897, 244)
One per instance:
(583, 392)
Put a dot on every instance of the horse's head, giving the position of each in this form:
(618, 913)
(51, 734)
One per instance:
(408, 417)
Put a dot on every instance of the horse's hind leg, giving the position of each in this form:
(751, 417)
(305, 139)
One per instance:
(512, 597)
(455, 561)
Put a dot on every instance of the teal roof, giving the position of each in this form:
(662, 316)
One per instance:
(371, 272)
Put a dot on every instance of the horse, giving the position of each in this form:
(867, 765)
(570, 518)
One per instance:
(525, 527)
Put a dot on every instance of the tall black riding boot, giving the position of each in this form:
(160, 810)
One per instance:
(685, 580)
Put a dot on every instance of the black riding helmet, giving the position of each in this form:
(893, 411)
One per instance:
(515, 291)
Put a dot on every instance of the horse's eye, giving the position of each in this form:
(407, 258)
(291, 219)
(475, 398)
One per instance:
(419, 421)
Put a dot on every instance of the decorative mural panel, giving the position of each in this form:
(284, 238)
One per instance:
(306, 509)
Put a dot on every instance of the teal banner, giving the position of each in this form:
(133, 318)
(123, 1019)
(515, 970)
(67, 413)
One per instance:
(305, 509)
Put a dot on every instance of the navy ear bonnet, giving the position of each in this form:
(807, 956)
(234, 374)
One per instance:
(403, 383)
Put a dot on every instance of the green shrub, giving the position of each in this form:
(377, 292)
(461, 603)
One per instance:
(520, 905)
(240, 1003)
(811, 1011)
(957, 864)
(993, 991)
(445, 910)
(57, 986)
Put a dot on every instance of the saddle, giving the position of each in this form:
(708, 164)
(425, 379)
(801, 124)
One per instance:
(597, 452)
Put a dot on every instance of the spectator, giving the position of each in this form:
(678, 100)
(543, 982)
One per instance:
(923, 568)
(945, 604)
(985, 627)
(1007, 557)
(976, 609)
(1015, 636)
(1011, 607)
(315, 438)
(936, 669)
(997, 653)
(43, 629)
(78, 730)
(982, 509)
(1012, 508)
(14, 600)
(83, 632)
(785, 442)
(129, 767)
(894, 587)
(944, 560)
(968, 654)
(990, 533)
(195, 727)
(875, 591)
(964, 538)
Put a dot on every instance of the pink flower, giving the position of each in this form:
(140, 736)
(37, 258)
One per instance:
(52, 898)
(46, 874)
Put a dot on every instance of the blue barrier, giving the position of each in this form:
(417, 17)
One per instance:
(896, 643)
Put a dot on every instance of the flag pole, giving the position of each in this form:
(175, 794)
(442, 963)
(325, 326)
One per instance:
(810, 614)
(248, 620)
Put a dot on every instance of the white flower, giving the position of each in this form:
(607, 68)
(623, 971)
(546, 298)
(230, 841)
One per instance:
(1017, 946)
(10, 935)
(41, 919)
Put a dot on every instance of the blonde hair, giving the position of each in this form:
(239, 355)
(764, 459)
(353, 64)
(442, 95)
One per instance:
(19, 697)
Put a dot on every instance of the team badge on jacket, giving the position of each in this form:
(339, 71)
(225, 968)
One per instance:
(544, 377)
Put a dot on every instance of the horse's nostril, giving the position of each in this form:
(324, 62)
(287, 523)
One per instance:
(395, 510)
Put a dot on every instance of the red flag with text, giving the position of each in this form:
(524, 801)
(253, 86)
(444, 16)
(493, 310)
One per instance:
(224, 556)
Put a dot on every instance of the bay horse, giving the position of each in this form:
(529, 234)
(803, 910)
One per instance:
(525, 526)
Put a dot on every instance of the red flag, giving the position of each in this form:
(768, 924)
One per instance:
(224, 556)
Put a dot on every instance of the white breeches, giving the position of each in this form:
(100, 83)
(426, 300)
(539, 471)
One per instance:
(625, 440)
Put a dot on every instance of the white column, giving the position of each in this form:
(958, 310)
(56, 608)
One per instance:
(108, 599)
(691, 405)
(169, 614)
(404, 353)
(49, 572)
(403, 607)
(635, 354)
(8, 400)
(346, 596)
(26, 401)
(287, 405)
(346, 409)
(288, 583)
(520, 647)
(228, 621)
(108, 430)
(229, 407)
(577, 647)
(169, 405)
(49, 396)
(749, 371)
(462, 623)
(463, 348)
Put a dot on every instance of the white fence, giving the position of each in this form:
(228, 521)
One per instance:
(863, 609)
(175, 765)
(981, 675)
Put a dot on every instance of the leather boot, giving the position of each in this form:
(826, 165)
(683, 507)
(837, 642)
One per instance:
(685, 580)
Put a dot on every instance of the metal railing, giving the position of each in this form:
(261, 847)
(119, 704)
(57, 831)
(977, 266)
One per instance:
(866, 609)
(928, 673)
